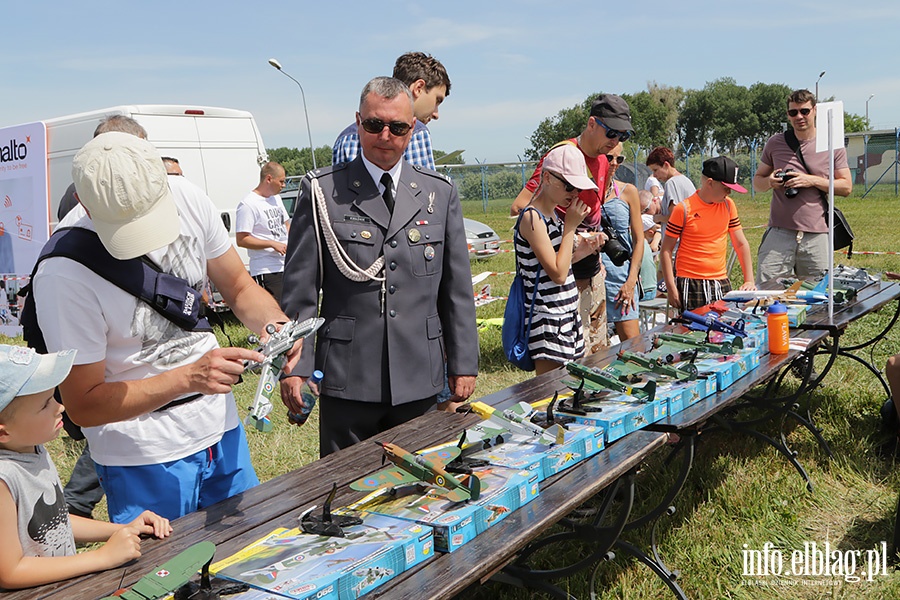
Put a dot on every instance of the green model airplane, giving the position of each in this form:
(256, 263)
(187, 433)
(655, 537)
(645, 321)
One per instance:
(596, 380)
(417, 468)
(699, 342)
(170, 576)
(633, 363)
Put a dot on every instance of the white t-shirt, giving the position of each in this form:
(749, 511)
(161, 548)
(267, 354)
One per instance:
(263, 218)
(79, 309)
(653, 182)
(647, 221)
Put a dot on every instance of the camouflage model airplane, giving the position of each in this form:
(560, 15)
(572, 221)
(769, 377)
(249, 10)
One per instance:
(171, 575)
(515, 419)
(275, 351)
(596, 380)
(633, 363)
(688, 341)
(418, 468)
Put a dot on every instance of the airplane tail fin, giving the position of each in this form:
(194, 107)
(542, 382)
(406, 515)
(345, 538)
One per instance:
(474, 485)
(471, 492)
(554, 434)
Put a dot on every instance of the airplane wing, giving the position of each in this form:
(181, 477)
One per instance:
(171, 575)
(389, 477)
(483, 431)
(442, 456)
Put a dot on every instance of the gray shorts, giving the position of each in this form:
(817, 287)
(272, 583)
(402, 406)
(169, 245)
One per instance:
(789, 253)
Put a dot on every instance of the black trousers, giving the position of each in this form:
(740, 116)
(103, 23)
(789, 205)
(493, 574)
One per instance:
(343, 423)
(272, 283)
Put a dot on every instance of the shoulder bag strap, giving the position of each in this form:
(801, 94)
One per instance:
(794, 144)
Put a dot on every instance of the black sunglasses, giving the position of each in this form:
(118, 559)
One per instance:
(614, 133)
(569, 186)
(803, 111)
(376, 126)
(615, 159)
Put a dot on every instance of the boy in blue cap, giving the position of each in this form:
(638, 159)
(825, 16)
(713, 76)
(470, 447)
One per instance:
(39, 535)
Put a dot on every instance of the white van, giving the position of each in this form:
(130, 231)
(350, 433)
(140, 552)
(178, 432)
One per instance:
(219, 149)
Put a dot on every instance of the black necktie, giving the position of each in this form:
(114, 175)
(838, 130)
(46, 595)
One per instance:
(388, 195)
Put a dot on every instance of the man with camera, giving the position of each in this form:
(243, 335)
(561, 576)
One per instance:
(796, 242)
(608, 124)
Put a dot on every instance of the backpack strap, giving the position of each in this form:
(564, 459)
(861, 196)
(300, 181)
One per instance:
(169, 295)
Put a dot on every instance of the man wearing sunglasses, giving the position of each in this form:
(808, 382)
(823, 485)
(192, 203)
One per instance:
(429, 83)
(385, 243)
(608, 124)
(796, 242)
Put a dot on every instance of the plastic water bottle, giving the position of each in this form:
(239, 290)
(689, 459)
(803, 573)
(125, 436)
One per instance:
(778, 329)
(309, 399)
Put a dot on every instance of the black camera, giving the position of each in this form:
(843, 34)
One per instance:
(785, 176)
(613, 248)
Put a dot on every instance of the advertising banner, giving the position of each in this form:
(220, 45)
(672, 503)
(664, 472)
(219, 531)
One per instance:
(24, 218)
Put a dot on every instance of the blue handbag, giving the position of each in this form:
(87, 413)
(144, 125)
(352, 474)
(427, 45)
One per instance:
(516, 330)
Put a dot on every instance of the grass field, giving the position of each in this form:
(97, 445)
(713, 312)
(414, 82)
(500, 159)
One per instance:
(740, 491)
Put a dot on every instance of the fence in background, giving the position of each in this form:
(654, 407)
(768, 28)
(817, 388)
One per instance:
(873, 158)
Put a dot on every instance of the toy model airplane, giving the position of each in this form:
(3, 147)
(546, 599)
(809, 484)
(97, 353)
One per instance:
(515, 419)
(595, 380)
(418, 468)
(709, 322)
(275, 351)
(655, 365)
(795, 293)
(702, 345)
(171, 575)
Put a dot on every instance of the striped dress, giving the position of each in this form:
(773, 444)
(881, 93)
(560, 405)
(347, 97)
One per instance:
(556, 326)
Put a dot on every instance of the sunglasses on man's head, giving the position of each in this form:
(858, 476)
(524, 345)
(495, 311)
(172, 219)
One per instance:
(376, 126)
(615, 159)
(613, 133)
(569, 186)
(803, 111)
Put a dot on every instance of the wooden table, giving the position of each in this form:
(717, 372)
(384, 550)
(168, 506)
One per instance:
(236, 522)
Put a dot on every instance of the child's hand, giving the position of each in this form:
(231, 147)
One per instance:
(151, 523)
(576, 212)
(122, 546)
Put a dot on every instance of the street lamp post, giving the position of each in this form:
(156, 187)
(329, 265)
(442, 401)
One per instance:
(312, 150)
(866, 147)
(817, 85)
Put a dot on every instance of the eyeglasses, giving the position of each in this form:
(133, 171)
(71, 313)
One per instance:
(615, 159)
(569, 186)
(803, 111)
(613, 133)
(376, 126)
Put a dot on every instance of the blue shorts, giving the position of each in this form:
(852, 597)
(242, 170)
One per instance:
(179, 487)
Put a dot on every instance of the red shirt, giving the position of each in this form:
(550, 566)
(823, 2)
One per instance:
(598, 168)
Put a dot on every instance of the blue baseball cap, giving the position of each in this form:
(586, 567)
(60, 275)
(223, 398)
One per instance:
(23, 371)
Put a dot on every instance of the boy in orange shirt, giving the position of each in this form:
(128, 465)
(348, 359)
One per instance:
(702, 223)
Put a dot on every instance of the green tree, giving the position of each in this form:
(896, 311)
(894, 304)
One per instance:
(855, 123)
(567, 123)
(299, 161)
(654, 114)
(695, 121)
(769, 103)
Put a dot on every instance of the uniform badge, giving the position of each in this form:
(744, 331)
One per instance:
(429, 252)
(414, 185)
(430, 208)
(414, 235)
(365, 234)
(356, 183)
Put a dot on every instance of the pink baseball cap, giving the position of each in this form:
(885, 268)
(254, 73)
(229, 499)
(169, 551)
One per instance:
(567, 161)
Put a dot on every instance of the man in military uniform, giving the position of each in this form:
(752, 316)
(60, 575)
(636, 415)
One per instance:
(385, 243)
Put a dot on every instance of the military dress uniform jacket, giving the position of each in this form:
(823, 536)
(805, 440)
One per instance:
(428, 308)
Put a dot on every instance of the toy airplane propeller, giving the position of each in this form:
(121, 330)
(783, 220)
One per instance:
(171, 575)
(418, 468)
(515, 419)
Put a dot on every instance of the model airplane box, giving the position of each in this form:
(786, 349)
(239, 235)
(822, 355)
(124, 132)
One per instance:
(303, 566)
(677, 396)
(620, 417)
(523, 453)
(456, 523)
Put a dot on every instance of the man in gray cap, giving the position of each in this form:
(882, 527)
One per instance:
(608, 124)
(154, 400)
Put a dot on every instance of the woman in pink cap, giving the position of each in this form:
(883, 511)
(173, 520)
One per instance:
(545, 249)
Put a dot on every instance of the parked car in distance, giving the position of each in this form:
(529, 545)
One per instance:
(482, 240)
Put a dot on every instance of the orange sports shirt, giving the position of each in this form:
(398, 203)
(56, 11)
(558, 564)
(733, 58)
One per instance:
(704, 236)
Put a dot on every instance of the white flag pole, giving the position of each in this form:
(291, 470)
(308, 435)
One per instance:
(831, 215)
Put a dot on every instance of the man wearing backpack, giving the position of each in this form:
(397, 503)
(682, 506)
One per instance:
(153, 398)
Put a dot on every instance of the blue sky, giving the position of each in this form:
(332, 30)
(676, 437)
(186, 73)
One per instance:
(511, 63)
